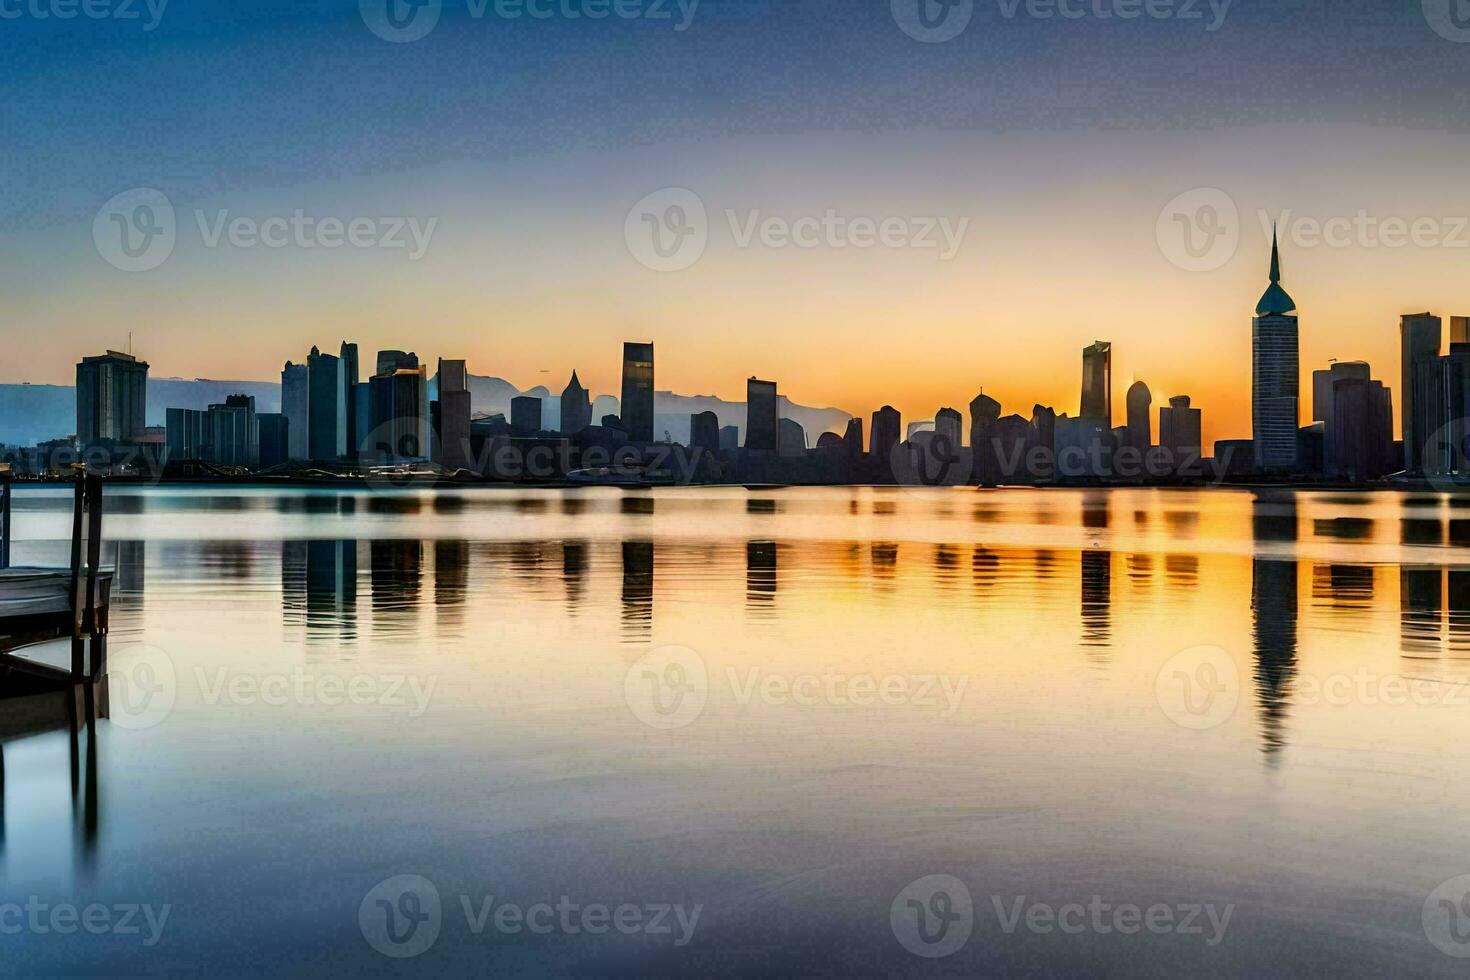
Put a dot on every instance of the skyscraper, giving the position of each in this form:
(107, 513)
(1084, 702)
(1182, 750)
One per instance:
(400, 414)
(704, 431)
(576, 409)
(296, 406)
(1097, 382)
(353, 377)
(762, 416)
(1275, 376)
(852, 439)
(112, 399)
(948, 426)
(453, 440)
(1179, 434)
(232, 432)
(327, 400)
(887, 424)
(637, 404)
(1140, 426)
(1419, 343)
(274, 438)
(525, 415)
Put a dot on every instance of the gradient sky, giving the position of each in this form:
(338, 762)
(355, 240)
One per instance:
(1061, 141)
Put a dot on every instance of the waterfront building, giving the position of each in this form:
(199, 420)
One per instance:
(576, 407)
(1097, 382)
(762, 415)
(637, 401)
(296, 406)
(1275, 376)
(1419, 346)
(112, 399)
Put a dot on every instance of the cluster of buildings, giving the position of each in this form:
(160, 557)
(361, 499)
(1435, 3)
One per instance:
(335, 421)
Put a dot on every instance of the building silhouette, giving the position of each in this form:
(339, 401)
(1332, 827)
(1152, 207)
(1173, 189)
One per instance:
(112, 399)
(525, 415)
(704, 431)
(327, 401)
(1358, 441)
(274, 439)
(1140, 425)
(296, 406)
(852, 438)
(452, 433)
(887, 424)
(949, 426)
(576, 407)
(791, 437)
(399, 397)
(762, 416)
(1097, 382)
(637, 403)
(185, 433)
(729, 437)
(1179, 435)
(352, 378)
(233, 436)
(1275, 377)
(1419, 346)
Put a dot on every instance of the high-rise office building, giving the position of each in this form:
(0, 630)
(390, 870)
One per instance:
(1419, 345)
(453, 434)
(762, 416)
(1275, 376)
(233, 432)
(1358, 442)
(791, 437)
(185, 434)
(1441, 403)
(949, 427)
(112, 399)
(1179, 434)
(887, 424)
(729, 437)
(1322, 382)
(296, 406)
(704, 431)
(274, 439)
(637, 404)
(1097, 382)
(852, 439)
(353, 378)
(1140, 425)
(525, 415)
(400, 414)
(327, 401)
(576, 408)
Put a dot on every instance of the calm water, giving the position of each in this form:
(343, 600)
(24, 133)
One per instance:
(773, 714)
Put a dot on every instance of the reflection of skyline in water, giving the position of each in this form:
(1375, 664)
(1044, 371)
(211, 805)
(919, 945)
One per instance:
(1274, 611)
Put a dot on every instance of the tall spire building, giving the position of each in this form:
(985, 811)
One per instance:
(1275, 375)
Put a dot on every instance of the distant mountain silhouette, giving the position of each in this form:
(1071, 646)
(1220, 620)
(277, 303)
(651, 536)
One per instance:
(34, 413)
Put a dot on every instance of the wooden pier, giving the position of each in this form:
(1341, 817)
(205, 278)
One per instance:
(43, 605)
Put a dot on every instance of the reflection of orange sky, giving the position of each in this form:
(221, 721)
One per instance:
(528, 276)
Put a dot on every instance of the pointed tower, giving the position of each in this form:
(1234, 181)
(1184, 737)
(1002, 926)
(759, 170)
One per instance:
(1275, 375)
(576, 407)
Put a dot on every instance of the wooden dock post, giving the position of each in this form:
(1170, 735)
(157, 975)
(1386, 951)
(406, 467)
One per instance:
(6, 478)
